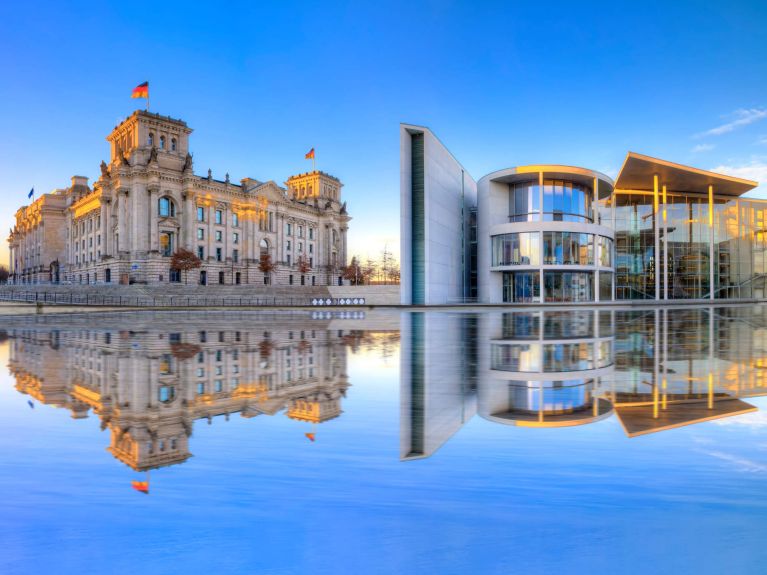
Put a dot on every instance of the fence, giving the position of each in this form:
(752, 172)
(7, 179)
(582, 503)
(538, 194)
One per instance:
(174, 301)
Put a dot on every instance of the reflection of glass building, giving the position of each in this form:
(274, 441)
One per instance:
(560, 234)
(654, 369)
(149, 378)
(544, 369)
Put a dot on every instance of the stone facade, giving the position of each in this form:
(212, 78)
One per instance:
(149, 383)
(148, 203)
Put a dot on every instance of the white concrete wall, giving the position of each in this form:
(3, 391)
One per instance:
(445, 390)
(449, 192)
(374, 295)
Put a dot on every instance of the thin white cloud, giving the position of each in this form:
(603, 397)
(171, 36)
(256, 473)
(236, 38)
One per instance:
(753, 420)
(756, 170)
(742, 463)
(762, 140)
(703, 148)
(742, 117)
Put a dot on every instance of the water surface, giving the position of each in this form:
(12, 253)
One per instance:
(583, 441)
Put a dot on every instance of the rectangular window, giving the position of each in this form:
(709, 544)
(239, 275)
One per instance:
(219, 217)
(201, 252)
(219, 254)
(219, 235)
(235, 220)
(311, 233)
(235, 256)
(290, 279)
(166, 244)
(311, 248)
(200, 233)
(200, 214)
(300, 231)
(235, 238)
(289, 229)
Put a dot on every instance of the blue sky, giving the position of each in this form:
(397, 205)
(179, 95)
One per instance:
(501, 84)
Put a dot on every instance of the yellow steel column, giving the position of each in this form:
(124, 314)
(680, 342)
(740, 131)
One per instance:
(541, 294)
(665, 245)
(711, 241)
(656, 231)
(595, 237)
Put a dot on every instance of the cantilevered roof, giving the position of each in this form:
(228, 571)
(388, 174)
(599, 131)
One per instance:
(641, 419)
(638, 171)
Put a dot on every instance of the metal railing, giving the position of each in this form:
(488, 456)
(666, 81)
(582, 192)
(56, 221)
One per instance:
(107, 300)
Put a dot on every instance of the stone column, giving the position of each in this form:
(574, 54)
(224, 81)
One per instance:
(185, 234)
(122, 220)
(343, 260)
(152, 231)
(106, 210)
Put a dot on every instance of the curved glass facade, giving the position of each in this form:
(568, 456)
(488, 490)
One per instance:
(522, 287)
(536, 357)
(568, 248)
(563, 201)
(516, 249)
(605, 252)
(570, 324)
(550, 397)
(560, 286)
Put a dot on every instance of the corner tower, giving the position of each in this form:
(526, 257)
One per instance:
(143, 131)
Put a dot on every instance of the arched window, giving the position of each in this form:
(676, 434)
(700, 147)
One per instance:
(162, 142)
(167, 208)
(173, 144)
(150, 139)
(264, 245)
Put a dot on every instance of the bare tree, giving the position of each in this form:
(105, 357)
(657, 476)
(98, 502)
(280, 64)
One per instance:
(369, 270)
(386, 263)
(4, 273)
(184, 260)
(394, 273)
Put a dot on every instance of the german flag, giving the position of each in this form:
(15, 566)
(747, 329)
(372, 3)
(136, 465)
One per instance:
(142, 486)
(310, 154)
(141, 91)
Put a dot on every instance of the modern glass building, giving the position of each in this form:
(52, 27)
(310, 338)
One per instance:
(562, 234)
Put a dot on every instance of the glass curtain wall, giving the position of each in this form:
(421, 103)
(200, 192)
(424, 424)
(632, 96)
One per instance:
(551, 397)
(522, 287)
(551, 357)
(563, 201)
(559, 286)
(516, 249)
(687, 247)
(568, 248)
(634, 246)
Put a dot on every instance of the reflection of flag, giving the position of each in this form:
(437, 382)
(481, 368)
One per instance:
(141, 91)
(32, 405)
(142, 486)
(310, 154)
(310, 436)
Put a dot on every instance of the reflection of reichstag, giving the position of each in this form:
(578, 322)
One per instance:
(656, 369)
(151, 376)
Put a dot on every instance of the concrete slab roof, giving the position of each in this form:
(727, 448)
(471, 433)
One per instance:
(638, 171)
